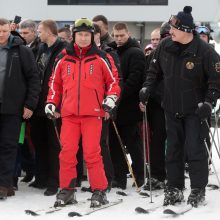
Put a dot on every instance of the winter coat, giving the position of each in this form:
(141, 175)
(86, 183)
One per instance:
(45, 70)
(83, 82)
(190, 76)
(22, 83)
(132, 63)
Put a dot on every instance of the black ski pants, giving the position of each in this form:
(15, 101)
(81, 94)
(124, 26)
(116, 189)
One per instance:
(156, 120)
(10, 126)
(47, 149)
(130, 135)
(186, 131)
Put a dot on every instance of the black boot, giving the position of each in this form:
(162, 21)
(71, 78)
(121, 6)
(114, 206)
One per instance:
(172, 195)
(65, 196)
(155, 184)
(50, 191)
(196, 197)
(98, 198)
(27, 178)
(3, 192)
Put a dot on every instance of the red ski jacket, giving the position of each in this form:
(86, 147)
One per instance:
(83, 81)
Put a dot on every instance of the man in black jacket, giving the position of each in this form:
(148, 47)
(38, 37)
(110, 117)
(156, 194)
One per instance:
(19, 91)
(43, 132)
(132, 62)
(190, 70)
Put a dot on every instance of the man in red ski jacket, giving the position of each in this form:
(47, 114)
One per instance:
(87, 79)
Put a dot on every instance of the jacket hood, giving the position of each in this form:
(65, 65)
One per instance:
(14, 41)
(132, 42)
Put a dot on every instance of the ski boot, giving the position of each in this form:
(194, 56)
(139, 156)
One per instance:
(98, 198)
(65, 196)
(196, 197)
(155, 184)
(3, 192)
(172, 195)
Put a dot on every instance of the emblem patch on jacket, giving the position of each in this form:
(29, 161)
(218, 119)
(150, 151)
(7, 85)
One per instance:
(217, 67)
(190, 65)
(91, 69)
(68, 69)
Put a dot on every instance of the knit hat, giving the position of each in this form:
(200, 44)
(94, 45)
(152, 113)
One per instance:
(183, 20)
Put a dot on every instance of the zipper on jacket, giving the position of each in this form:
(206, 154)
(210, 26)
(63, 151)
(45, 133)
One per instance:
(97, 97)
(80, 61)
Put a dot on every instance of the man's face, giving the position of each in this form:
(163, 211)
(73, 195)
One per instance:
(204, 37)
(177, 35)
(102, 26)
(64, 36)
(83, 38)
(120, 37)
(155, 39)
(27, 34)
(43, 33)
(4, 34)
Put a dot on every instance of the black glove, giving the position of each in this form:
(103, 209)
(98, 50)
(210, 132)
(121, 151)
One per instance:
(144, 95)
(204, 110)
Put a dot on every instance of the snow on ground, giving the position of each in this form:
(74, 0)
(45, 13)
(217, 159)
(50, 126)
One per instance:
(30, 198)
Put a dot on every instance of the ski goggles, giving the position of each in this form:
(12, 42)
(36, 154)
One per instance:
(83, 22)
(176, 23)
(202, 30)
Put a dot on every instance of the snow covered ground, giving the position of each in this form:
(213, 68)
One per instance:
(29, 198)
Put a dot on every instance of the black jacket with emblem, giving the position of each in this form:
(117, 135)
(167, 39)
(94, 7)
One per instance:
(21, 82)
(190, 76)
(133, 65)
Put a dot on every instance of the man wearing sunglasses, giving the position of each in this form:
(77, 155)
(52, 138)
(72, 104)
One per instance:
(204, 33)
(190, 70)
(82, 75)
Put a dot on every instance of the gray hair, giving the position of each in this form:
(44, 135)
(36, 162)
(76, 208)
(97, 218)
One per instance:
(32, 25)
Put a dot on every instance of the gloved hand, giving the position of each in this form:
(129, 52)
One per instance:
(108, 103)
(144, 95)
(49, 110)
(204, 110)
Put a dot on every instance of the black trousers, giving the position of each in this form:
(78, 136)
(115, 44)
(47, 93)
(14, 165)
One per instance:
(105, 151)
(130, 135)
(187, 132)
(156, 120)
(10, 126)
(47, 150)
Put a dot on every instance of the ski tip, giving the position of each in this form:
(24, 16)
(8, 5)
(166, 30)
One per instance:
(213, 186)
(121, 193)
(144, 194)
(72, 214)
(169, 212)
(141, 210)
(30, 212)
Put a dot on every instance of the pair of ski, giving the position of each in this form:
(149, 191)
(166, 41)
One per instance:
(169, 210)
(78, 205)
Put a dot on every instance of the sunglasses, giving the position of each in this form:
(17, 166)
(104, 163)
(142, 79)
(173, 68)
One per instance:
(83, 22)
(174, 21)
(202, 29)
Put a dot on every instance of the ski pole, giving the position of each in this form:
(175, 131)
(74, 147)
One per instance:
(56, 131)
(213, 140)
(125, 155)
(206, 145)
(148, 152)
(144, 145)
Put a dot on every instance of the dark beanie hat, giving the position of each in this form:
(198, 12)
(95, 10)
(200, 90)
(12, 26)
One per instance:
(184, 20)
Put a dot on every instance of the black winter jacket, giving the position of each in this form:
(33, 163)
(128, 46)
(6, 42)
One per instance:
(22, 83)
(132, 63)
(45, 72)
(190, 76)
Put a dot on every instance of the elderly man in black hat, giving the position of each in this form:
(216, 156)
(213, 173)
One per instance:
(190, 69)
